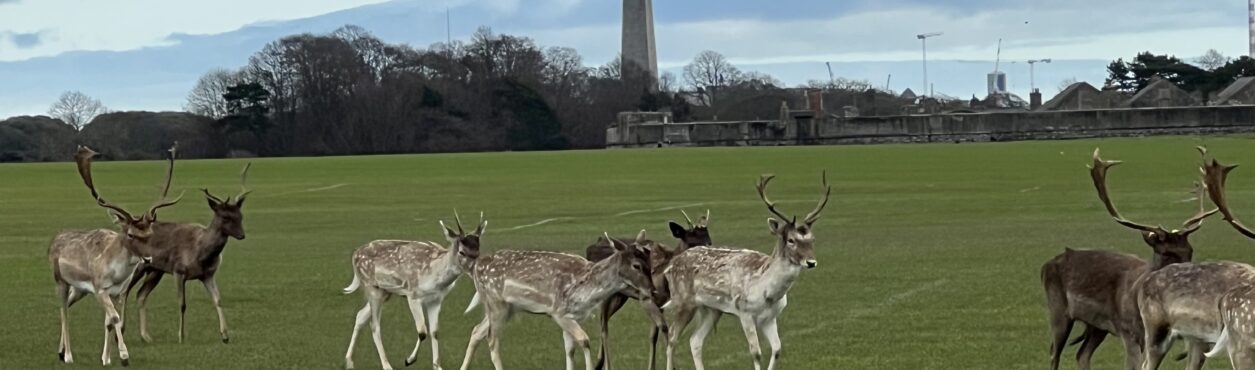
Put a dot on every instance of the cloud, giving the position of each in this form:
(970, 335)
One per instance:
(2, 2)
(23, 40)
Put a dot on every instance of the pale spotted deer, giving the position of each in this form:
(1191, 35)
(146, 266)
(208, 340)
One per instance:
(697, 234)
(748, 284)
(1237, 305)
(422, 272)
(101, 261)
(191, 252)
(1096, 287)
(565, 287)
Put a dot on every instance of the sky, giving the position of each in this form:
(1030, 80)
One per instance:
(789, 38)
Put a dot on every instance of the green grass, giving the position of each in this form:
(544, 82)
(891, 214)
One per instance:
(929, 254)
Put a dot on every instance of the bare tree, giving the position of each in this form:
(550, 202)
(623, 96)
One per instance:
(206, 98)
(1066, 83)
(668, 82)
(709, 72)
(1211, 60)
(76, 109)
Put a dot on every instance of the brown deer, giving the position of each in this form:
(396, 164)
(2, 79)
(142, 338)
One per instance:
(695, 235)
(422, 272)
(1096, 287)
(1237, 305)
(746, 283)
(101, 261)
(1184, 300)
(565, 287)
(191, 252)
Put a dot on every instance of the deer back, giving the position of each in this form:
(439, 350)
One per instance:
(403, 265)
(1186, 295)
(1097, 286)
(91, 256)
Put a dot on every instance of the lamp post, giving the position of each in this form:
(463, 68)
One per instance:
(923, 42)
(1032, 81)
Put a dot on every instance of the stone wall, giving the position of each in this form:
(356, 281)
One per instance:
(973, 127)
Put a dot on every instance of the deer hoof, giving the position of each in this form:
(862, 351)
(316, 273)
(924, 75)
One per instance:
(422, 337)
(410, 361)
(126, 362)
(226, 340)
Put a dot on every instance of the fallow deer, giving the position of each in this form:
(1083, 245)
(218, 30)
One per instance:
(191, 252)
(1097, 287)
(746, 283)
(101, 261)
(565, 287)
(422, 272)
(1237, 306)
(695, 235)
(1183, 300)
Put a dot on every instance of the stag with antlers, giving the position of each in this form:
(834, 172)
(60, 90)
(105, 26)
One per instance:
(191, 252)
(1096, 287)
(565, 287)
(697, 234)
(1237, 305)
(422, 272)
(101, 261)
(748, 284)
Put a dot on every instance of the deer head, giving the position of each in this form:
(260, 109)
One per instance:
(695, 235)
(632, 264)
(465, 245)
(1170, 246)
(135, 228)
(795, 240)
(227, 212)
(1215, 175)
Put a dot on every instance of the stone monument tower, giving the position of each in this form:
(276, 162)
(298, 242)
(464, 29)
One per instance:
(640, 57)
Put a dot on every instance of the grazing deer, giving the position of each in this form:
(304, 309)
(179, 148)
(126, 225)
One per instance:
(751, 285)
(101, 261)
(1184, 300)
(695, 235)
(565, 287)
(1237, 305)
(191, 252)
(1096, 287)
(422, 272)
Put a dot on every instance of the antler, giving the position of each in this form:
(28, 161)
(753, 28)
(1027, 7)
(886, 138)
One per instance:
(687, 219)
(458, 220)
(762, 193)
(814, 215)
(705, 220)
(161, 202)
(84, 160)
(1098, 171)
(244, 183)
(1215, 175)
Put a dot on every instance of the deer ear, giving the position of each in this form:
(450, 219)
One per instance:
(239, 202)
(640, 237)
(618, 245)
(449, 234)
(119, 219)
(774, 224)
(676, 230)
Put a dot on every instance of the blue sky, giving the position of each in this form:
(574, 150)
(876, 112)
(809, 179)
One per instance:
(99, 46)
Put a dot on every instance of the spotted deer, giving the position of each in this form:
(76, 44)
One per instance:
(1182, 301)
(1237, 305)
(101, 261)
(191, 252)
(565, 287)
(1097, 287)
(748, 284)
(697, 234)
(422, 272)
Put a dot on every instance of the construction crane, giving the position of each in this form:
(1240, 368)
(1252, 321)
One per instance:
(923, 41)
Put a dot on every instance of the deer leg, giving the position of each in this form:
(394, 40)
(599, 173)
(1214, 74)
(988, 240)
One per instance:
(135, 278)
(660, 326)
(363, 315)
(1132, 352)
(111, 325)
(1093, 337)
(376, 298)
(477, 335)
(182, 284)
(581, 338)
(65, 294)
(706, 320)
(683, 315)
(420, 323)
(751, 336)
(141, 299)
(211, 286)
(433, 324)
(568, 350)
(773, 339)
(1195, 358)
(608, 308)
(123, 354)
(1060, 330)
(1158, 341)
(498, 317)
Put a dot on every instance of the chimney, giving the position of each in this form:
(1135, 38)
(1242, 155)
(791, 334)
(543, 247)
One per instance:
(815, 100)
(1034, 98)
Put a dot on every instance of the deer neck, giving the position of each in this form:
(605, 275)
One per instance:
(595, 283)
(776, 276)
(1159, 261)
(448, 267)
(212, 240)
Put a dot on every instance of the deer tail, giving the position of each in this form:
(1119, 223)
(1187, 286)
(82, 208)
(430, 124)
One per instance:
(474, 302)
(1221, 343)
(357, 283)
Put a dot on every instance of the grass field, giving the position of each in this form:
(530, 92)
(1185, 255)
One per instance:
(929, 254)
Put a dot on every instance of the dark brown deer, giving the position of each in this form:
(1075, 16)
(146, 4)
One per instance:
(1237, 305)
(748, 284)
(697, 234)
(191, 252)
(565, 287)
(1097, 287)
(101, 261)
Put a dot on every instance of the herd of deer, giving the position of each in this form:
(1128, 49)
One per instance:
(693, 278)
(1151, 304)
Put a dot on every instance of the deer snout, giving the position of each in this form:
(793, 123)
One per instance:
(810, 264)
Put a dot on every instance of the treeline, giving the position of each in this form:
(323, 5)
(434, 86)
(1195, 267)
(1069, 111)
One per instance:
(1204, 77)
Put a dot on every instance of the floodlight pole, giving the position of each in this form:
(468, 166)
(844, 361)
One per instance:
(923, 42)
(1032, 79)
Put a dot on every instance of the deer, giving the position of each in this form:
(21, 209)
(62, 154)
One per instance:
(191, 252)
(1096, 287)
(422, 272)
(753, 286)
(1237, 305)
(695, 235)
(1186, 300)
(565, 287)
(102, 261)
